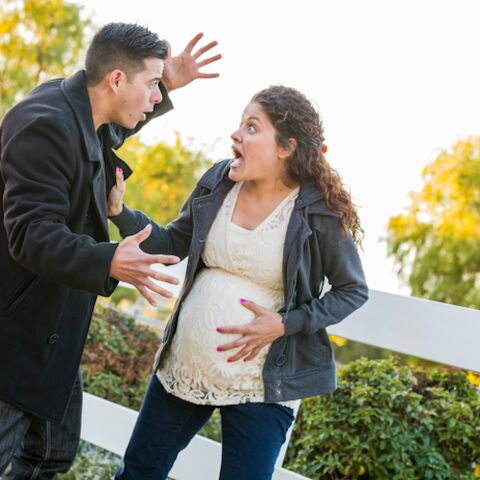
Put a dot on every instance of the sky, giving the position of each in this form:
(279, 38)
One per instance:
(395, 82)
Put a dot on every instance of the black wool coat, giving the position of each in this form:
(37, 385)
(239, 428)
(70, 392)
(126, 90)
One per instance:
(55, 252)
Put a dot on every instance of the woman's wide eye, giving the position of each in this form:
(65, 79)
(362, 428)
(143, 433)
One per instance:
(251, 128)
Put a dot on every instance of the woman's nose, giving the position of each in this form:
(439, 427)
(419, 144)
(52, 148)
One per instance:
(236, 136)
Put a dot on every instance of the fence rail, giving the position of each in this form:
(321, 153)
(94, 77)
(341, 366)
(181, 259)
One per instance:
(431, 330)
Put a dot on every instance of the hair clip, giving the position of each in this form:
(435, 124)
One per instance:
(324, 149)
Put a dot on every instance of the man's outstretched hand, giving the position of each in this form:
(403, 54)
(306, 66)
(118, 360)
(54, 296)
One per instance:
(185, 67)
(130, 264)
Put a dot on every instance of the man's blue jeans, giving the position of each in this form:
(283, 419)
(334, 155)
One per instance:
(34, 448)
(252, 435)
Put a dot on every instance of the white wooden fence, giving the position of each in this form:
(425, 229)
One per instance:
(430, 330)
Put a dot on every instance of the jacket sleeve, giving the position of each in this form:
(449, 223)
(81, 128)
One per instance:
(38, 169)
(174, 239)
(343, 269)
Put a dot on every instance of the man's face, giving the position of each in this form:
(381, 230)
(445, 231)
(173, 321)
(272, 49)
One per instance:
(138, 94)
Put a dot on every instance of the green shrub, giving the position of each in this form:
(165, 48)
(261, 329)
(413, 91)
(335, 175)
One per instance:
(118, 357)
(92, 463)
(386, 421)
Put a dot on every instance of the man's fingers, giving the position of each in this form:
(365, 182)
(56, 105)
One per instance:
(204, 49)
(209, 60)
(164, 259)
(191, 44)
(162, 277)
(208, 75)
(149, 297)
(142, 235)
(157, 289)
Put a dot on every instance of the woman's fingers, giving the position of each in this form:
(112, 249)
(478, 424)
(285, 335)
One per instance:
(252, 355)
(236, 344)
(244, 351)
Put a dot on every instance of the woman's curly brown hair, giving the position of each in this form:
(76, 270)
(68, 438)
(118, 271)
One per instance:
(293, 116)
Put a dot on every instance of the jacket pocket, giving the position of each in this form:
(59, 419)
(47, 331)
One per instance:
(21, 293)
(307, 353)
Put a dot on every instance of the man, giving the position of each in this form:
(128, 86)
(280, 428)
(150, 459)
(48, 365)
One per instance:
(57, 166)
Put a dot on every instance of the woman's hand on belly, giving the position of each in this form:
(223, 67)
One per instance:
(266, 327)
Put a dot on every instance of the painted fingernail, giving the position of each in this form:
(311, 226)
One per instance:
(219, 349)
(243, 300)
(229, 360)
(218, 329)
(119, 170)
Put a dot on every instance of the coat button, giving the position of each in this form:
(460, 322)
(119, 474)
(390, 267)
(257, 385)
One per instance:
(280, 360)
(53, 338)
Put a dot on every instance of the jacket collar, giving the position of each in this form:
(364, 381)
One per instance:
(75, 90)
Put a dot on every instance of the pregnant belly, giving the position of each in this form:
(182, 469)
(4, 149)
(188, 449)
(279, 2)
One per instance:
(214, 301)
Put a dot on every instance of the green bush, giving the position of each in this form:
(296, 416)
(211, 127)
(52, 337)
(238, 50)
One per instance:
(118, 357)
(92, 463)
(386, 421)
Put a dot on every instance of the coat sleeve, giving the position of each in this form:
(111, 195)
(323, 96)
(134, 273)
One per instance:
(343, 269)
(38, 170)
(174, 239)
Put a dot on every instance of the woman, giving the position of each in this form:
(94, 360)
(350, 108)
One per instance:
(247, 334)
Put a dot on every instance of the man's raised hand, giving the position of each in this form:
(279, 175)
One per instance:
(185, 67)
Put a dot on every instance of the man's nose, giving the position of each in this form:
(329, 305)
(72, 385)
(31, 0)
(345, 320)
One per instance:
(157, 96)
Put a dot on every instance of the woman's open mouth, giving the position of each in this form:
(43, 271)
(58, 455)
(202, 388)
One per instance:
(237, 158)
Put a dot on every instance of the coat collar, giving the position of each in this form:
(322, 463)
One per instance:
(75, 90)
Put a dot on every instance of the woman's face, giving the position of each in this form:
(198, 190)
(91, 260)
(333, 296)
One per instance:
(256, 153)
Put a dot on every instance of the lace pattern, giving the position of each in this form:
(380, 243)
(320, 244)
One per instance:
(241, 264)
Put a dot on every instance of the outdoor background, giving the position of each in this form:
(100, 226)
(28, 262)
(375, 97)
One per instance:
(397, 84)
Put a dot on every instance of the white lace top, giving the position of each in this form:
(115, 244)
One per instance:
(241, 264)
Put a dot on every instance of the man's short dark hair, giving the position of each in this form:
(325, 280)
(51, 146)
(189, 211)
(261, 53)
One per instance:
(123, 46)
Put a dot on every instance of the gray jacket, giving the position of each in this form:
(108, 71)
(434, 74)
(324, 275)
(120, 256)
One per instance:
(300, 364)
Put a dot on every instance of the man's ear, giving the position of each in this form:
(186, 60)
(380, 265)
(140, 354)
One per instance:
(288, 150)
(115, 79)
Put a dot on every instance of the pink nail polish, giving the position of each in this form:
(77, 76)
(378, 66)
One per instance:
(229, 360)
(218, 329)
(219, 349)
(243, 300)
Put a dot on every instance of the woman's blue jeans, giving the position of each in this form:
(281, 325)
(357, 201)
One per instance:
(252, 435)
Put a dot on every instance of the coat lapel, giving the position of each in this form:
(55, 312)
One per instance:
(75, 90)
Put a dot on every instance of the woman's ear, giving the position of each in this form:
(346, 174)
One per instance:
(287, 151)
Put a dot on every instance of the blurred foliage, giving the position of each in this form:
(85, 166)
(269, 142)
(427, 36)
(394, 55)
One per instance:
(164, 175)
(39, 40)
(92, 463)
(118, 357)
(435, 241)
(389, 421)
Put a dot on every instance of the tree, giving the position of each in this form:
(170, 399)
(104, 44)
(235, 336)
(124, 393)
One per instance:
(39, 40)
(164, 175)
(436, 241)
